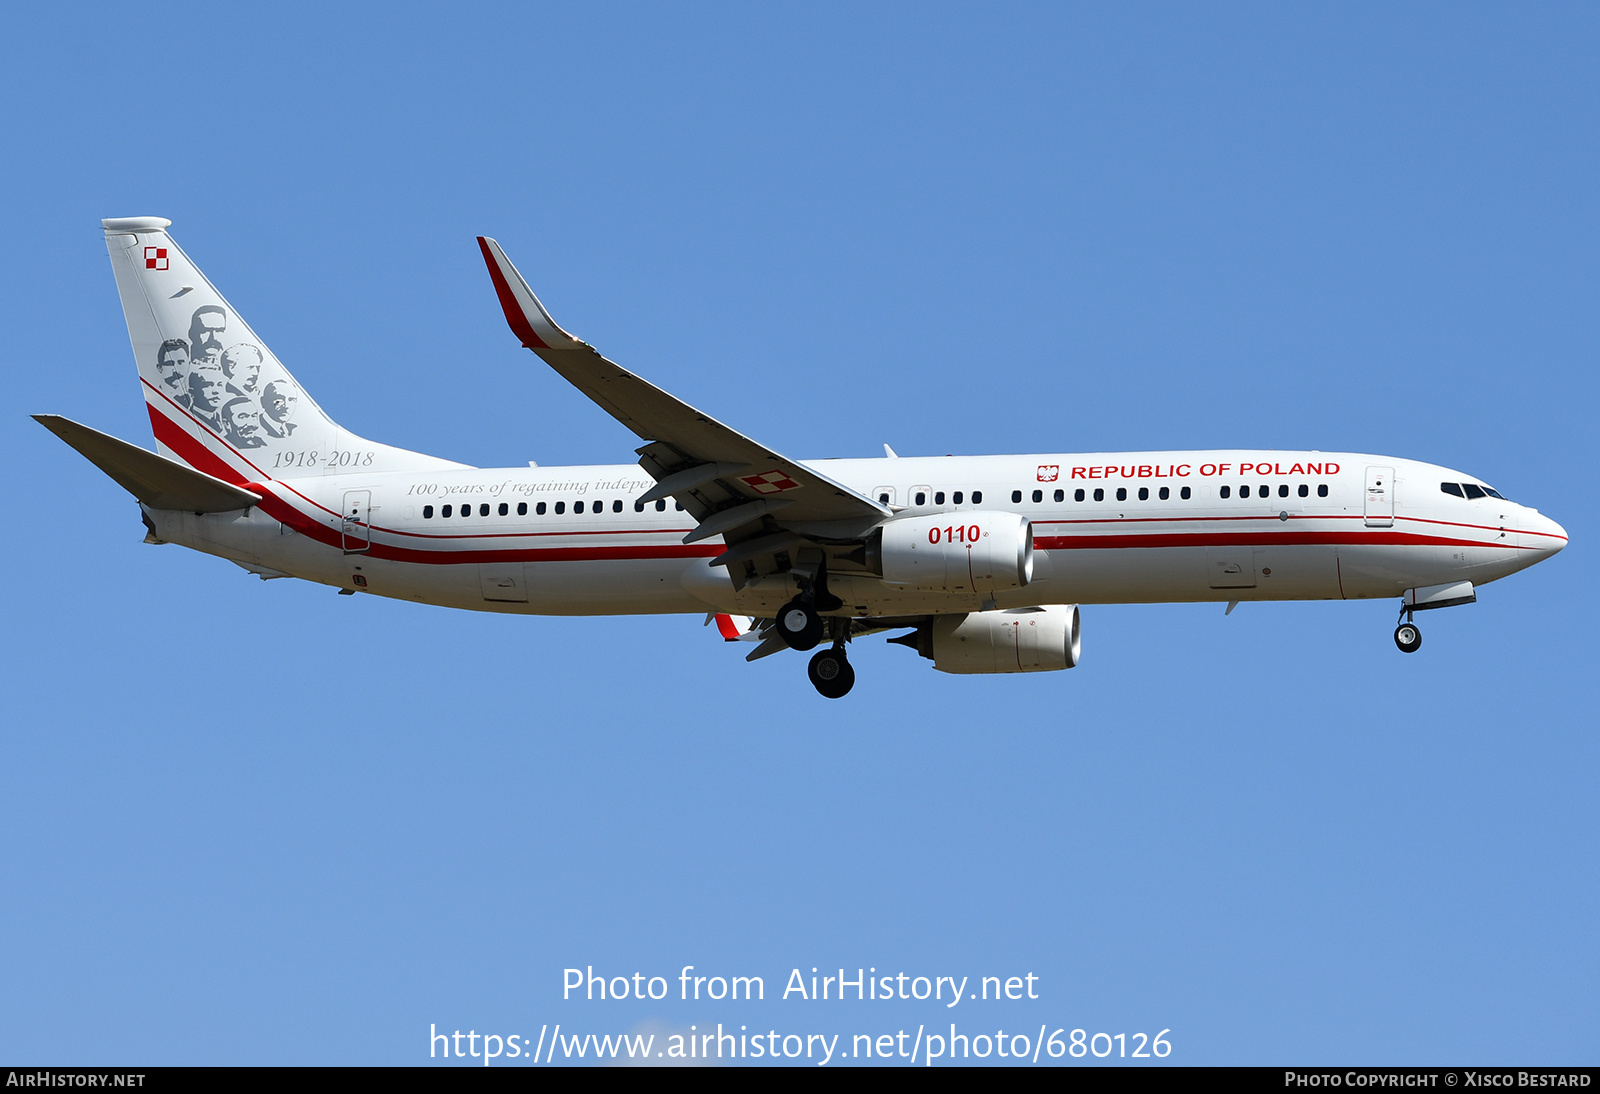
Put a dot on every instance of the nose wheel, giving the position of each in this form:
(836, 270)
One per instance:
(831, 673)
(1408, 637)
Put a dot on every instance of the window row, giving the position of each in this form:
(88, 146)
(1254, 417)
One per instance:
(921, 497)
(1469, 490)
(1265, 491)
(504, 508)
(1164, 493)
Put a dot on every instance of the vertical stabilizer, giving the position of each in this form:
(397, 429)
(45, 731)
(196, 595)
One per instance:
(217, 396)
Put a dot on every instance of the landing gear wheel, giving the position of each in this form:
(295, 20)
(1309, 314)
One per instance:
(831, 673)
(799, 625)
(1408, 638)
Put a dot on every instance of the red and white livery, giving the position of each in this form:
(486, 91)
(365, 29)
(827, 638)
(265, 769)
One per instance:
(981, 561)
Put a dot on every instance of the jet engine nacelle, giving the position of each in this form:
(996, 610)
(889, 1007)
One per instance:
(958, 552)
(1013, 640)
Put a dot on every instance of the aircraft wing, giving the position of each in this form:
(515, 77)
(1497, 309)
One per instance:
(734, 486)
(155, 480)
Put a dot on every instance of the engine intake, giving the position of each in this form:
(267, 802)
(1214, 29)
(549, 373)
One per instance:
(1013, 640)
(958, 552)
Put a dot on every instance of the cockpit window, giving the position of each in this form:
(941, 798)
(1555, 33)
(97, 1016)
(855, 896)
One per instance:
(1493, 493)
(1473, 491)
(1452, 488)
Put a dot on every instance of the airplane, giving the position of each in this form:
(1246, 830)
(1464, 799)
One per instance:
(982, 561)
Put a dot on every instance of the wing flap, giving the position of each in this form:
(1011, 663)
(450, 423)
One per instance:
(155, 480)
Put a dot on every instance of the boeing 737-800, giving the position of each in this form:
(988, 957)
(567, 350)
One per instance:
(981, 560)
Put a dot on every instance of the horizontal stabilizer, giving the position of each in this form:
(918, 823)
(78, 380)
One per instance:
(155, 480)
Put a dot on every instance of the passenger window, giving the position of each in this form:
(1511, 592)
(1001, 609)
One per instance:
(661, 505)
(1473, 492)
(1061, 495)
(522, 508)
(678, 505)
(1264, 491)
(427, 512)
(956, 497)
(1016, 496)
(539, 509)
(483, 510)
(921, 498)
(1144, 493)
(1452, 488)
(616, 506)
(1304, 490)
(1283, 490)
(505, 510)
(446, 511)
(1122, 493)
(1184, 493)
(577, 507)
(977, 497)
(1038, 496)
(1222, 492)
(1077, 495)
(1166, 493)
(638, 507)
(1244, 491)
(883, 499)
(1099, 494)
(1322, 490)
(938, 498)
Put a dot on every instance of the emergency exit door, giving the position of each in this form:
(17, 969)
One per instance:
(1380, 497)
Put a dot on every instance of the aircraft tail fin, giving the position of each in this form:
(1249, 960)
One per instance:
(219, 400)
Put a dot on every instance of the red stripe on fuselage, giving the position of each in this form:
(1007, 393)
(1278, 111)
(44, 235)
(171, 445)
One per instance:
(1245, 537)
(192, 451)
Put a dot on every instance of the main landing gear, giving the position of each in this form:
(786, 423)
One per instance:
(801, 628)
(800, 625)
(799, 622)
(1408, 636)
(831, 673)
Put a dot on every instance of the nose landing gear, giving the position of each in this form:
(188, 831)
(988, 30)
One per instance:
(1408, 636)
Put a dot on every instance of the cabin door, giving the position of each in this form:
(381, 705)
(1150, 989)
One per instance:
(1380, 497)
(355, 527)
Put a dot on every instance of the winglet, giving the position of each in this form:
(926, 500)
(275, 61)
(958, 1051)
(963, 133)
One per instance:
(527, 317)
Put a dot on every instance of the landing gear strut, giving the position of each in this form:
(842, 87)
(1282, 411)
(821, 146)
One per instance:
(799, 624)
(1408, 636)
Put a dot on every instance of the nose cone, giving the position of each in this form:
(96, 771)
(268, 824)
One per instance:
(1543, 535)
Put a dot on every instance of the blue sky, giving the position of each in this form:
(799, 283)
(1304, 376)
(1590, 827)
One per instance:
(259, 823)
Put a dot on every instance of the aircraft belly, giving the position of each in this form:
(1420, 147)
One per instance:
(1180, 574)
(633, 587)
(1381, 570)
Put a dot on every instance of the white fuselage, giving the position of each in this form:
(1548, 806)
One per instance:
(1312, 526)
